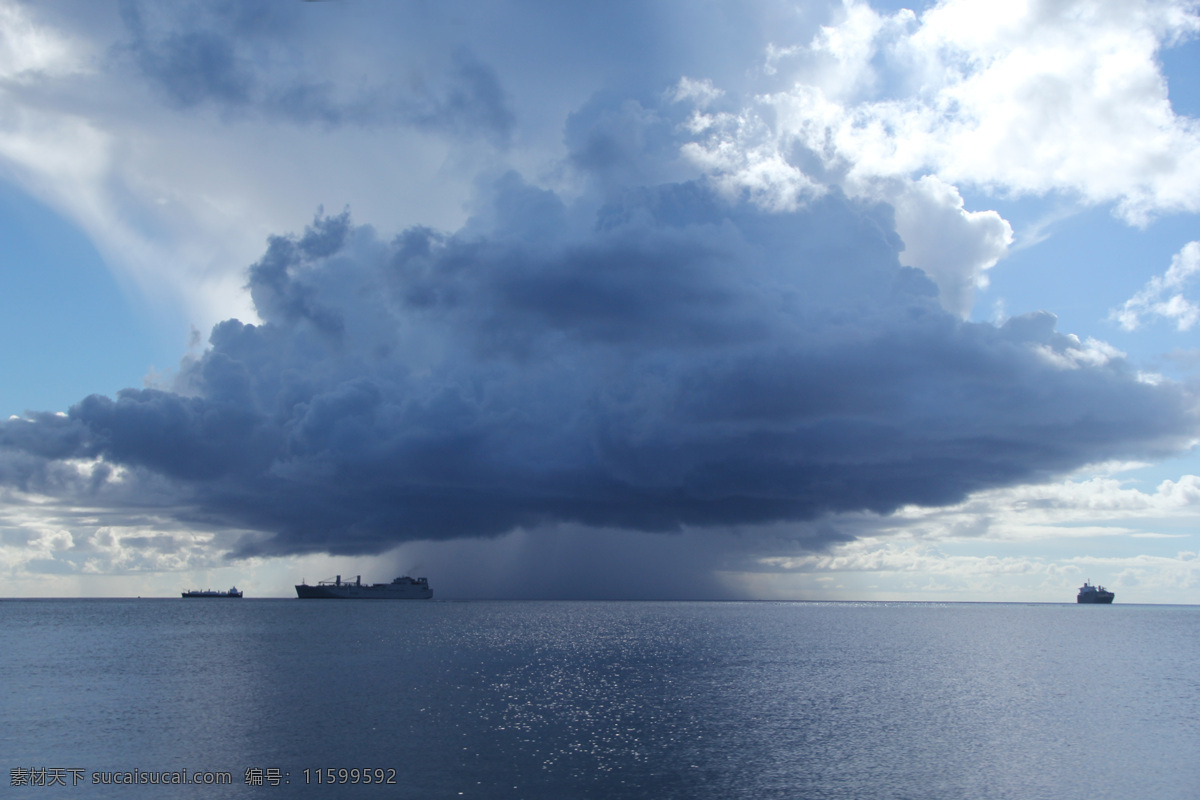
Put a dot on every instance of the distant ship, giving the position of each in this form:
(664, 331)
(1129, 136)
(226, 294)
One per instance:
(403, 588)
(1093, 594)
(233, 592)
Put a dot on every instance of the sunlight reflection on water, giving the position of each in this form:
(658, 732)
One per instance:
(578, 699)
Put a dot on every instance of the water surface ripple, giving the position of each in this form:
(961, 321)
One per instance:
(608, 699)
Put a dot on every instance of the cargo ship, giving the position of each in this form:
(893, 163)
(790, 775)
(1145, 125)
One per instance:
(233, 592)
(1093, 594)
(403, 588)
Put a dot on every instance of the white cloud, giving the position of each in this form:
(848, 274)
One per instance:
(29, 49)
(898, 570)
(1025, 98)
(1039, 97)
(955, 247)
(702, 92)
(1072, 353)
(1163, 295)
(952, 552)
(179, 201)
(41, 537)
(1033, 97)
(844, 52)
(1062, 508)
(876, 555)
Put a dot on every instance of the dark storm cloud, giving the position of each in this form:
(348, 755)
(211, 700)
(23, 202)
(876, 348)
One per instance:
(254, 57)
(666, 359)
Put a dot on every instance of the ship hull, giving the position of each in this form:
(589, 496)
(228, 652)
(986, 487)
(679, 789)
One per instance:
(1104, 599)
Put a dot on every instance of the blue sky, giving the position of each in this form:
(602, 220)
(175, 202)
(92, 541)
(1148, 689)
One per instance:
(59, 294)
(773, 300)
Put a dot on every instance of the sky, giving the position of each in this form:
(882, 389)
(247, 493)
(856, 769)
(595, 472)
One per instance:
(678, 300)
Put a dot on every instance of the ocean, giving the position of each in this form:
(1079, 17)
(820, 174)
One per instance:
(435, 699)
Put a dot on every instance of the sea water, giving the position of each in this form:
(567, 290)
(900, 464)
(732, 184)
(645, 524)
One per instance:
(286, 698)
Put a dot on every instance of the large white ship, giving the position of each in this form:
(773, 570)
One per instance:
(403, 588)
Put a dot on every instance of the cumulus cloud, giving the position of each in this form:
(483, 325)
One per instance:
(895, 568)
(1069, 509)
(28, 49)
(1032, 98)
(966, 550)
(246, 57)
(1163, 296)
(670, 359)
(1048, 520)
(1035, 98)
(171, 134)
(224, 99)
(953, 246)
(704, 301)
